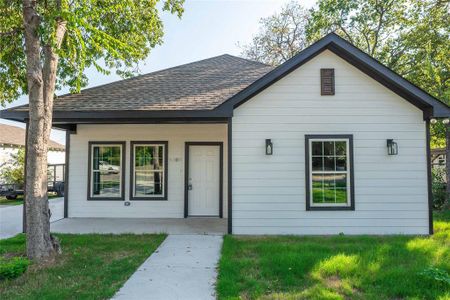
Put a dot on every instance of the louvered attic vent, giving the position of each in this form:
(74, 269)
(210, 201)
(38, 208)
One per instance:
(326, 82)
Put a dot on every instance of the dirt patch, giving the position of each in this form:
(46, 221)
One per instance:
(333, 282)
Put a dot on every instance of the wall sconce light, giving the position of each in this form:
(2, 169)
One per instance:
(392, 147)
(269, 147)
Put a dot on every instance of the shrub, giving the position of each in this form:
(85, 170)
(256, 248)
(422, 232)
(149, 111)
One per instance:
(439, 188)
(13, 268)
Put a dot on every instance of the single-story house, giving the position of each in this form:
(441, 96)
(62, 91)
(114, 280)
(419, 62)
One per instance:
(12, 138)
(329, 142)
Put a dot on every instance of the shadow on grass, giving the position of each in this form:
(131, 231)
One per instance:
(338, 267)
(92, 266)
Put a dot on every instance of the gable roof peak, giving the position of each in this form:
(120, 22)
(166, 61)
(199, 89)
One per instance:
(431, 106)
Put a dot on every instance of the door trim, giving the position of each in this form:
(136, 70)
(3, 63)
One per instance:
(186, 174)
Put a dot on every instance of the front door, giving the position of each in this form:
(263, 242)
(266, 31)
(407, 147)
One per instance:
(204, 179)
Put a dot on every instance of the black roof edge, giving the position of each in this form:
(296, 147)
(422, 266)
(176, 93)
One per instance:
(430, 106)
(68, 117)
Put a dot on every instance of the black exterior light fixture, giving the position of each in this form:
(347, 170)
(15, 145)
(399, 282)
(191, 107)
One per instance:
(392, 147)
(269, 147)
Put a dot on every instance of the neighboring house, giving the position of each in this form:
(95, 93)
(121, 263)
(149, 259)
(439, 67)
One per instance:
(438, 157)
(299, 149)
(12, 138)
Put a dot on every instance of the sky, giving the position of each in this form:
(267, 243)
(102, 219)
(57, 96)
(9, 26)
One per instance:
(207, 28)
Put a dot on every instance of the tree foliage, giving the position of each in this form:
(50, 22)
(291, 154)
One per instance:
(281, 35)
(13, 170)
(412, 37)
(106, 34)
(49, 44)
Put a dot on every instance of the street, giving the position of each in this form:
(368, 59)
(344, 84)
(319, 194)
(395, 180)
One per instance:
(11, 217)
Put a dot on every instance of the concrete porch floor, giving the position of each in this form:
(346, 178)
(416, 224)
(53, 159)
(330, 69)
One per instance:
(210, 226)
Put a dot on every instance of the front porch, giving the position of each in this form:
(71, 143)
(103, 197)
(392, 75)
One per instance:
(204, 225)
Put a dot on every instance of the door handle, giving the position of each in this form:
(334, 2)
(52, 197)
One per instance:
(189, 187)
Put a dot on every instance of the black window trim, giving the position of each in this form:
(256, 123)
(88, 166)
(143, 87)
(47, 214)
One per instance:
(166, 163)
(309, 207)
(122, 170)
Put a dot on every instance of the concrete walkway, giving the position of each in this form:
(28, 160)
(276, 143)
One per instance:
(183, 267)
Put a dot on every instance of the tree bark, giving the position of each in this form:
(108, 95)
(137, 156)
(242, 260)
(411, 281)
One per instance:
(41, 86)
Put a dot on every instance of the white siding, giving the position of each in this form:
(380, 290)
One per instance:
(176, 135)
(269, 191)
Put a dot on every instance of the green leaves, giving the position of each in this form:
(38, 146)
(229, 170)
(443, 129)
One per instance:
(412, 37)
(13, 171)
(107, 34)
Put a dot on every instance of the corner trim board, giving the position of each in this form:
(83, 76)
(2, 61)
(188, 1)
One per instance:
(429, 178)
(230, 174)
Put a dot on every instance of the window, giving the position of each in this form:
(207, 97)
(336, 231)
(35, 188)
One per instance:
(329, 172)
(106, 171)
(327, 82)
(148, 171)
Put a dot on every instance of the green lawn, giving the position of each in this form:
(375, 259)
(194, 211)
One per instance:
(337, 267)
(19, 200)
(91, 266)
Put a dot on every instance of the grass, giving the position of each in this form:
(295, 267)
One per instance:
(336, 267)
(19, 200)
(91, 267)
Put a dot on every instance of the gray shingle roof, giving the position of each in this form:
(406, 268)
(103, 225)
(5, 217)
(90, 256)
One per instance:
(15, 136)
(201, 85)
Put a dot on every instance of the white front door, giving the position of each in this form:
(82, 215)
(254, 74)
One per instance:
(204, 180)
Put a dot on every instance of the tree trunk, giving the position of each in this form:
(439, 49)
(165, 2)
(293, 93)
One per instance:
(41, 86)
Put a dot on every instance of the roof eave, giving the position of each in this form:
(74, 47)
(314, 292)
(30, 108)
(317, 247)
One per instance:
(141, 116)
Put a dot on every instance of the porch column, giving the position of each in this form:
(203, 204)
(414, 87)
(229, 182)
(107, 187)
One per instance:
(71, 129)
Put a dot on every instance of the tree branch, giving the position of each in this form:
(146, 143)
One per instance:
(12, 32)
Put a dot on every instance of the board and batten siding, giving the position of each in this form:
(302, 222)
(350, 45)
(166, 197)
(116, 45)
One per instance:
(175, 134)
(269, 191)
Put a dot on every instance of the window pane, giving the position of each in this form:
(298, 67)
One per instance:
(341, 180)
(96, 157)
(149, 170)
(329, 181)
(316, 148)
(341, 148)
(328, 148)
(328, 196)
(317, 188)
(341, 163)
(106, 184)
(106, 171)
(330, 186)
(317, 163)
(144, 184)
(341, 195)
(329, 164)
